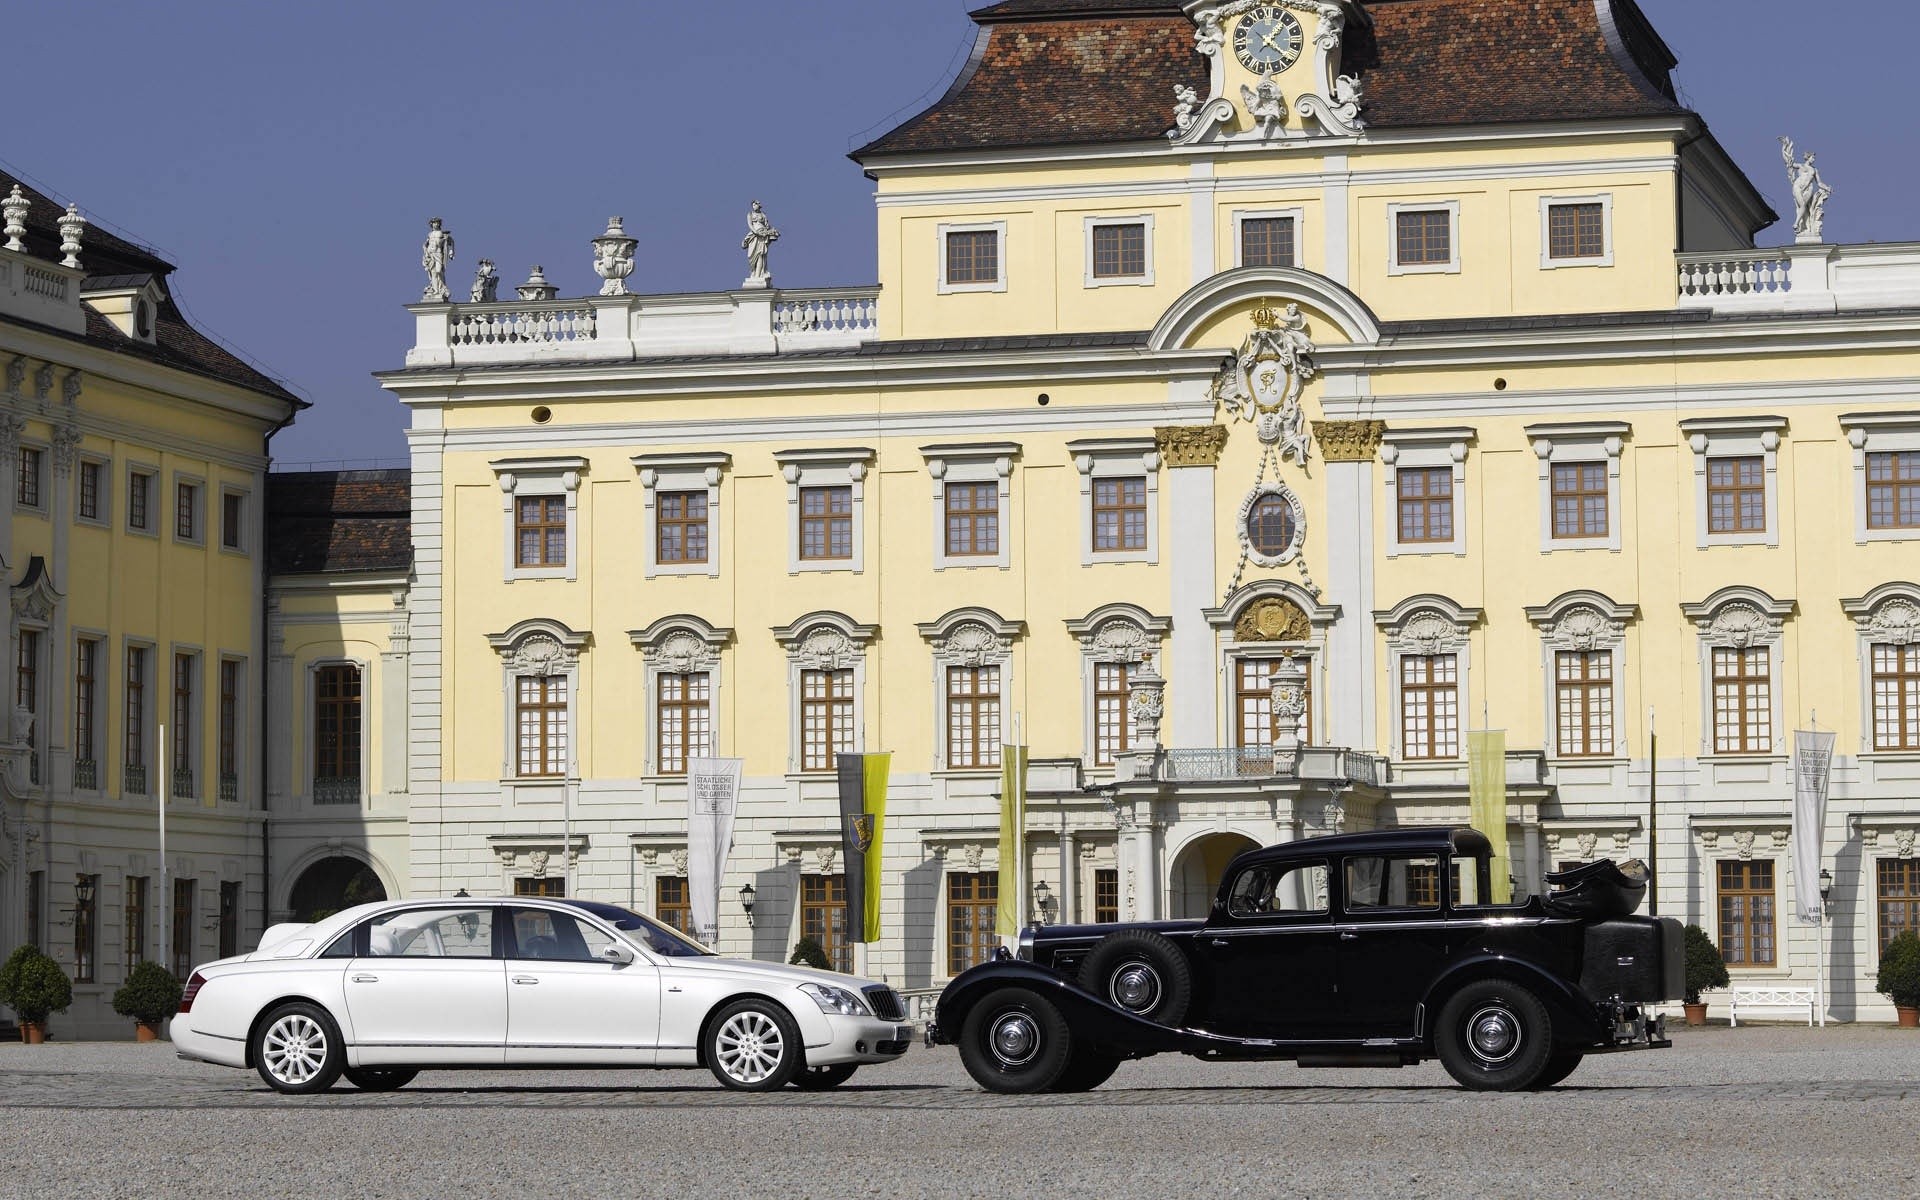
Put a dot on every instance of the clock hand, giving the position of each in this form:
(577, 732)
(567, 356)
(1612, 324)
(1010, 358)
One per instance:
(1268, 39)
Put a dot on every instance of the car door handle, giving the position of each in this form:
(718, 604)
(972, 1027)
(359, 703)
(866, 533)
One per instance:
(366, 979)
(1349, 936)
(1222, 942)
(525, 979)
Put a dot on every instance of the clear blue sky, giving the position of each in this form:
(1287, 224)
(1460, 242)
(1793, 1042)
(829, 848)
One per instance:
(287, 156)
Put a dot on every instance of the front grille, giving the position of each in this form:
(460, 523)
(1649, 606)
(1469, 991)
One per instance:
(885, 1003)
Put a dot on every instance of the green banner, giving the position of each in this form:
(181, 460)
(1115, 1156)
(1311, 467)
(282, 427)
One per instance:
(1487, 793)
(1013, 839)
(863, 814)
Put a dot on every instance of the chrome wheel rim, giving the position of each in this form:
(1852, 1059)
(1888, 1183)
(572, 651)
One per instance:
(749, 1047)
(294, 1049)
(1014, 1039)
(1135, 987)
(1493, 1033)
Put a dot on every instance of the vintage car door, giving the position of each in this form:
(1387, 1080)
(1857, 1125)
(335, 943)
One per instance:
(430, 989)
(568, 1004)
(1269, 954)
(1393, 940)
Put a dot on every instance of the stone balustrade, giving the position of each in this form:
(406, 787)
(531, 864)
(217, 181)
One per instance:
(1802, 278)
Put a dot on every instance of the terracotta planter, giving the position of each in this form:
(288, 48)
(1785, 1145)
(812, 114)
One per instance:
(33, 1032)
(143, 1032)
(1696, 1013)
(1909, 1017)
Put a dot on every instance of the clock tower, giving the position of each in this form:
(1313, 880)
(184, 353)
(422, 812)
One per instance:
(1276, 70)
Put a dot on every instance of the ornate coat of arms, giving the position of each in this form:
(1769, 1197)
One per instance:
(1265, 379)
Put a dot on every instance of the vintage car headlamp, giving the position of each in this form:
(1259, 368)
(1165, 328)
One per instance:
(1024, 949)
(836, 1001)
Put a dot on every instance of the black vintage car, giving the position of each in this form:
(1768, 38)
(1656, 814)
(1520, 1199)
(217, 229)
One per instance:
(1365, 949)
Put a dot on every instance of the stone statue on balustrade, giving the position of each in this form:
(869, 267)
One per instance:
(435, 253)
(761, 235)
(1810, 194)
(486, 283)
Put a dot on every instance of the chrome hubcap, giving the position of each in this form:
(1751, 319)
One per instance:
(749, 1047)
(1135, 987)
(294, 1049)
(1015, 1039)
(1494, 1035)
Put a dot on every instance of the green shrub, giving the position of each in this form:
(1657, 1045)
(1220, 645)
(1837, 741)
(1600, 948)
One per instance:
(1900, 970)
(151, 994)
(809, 953)
(33, 985)
(1706, 969)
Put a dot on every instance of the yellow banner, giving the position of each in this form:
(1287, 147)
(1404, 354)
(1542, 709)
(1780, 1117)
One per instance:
(874, 793)
(1487, 792)
(1013, 839)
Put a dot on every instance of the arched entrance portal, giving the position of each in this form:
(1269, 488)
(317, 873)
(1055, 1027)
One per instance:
(332, 884)
(1198, 870)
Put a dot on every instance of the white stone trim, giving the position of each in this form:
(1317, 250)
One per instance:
(1120, 457)
(1451, 266)
(1583, 620)
(154, 502)
(997, 228)
(1321, 619)
(247, 539)
(171, 511)
(1579, 442)
(108, 493)
(1145, 220)
(1888, 614)
(982, 462)
(533, 647)
(1605, 259)
(1875, 433)
(1735, 437)
(1295, 547)
(43, 486)
(1739, 617)
(970, 637)
(557, 475)
(681, 644)
(1242, 215)
(826, 468)
(824, 641)
(1113, 633)
(1429, 625)
(1421, 449)
(691, 472)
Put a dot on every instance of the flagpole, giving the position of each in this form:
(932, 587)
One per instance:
(566, 821)
(162, 904)
(1653, 816)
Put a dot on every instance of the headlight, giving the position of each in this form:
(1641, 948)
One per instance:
(1024, 950)
(836, 1000)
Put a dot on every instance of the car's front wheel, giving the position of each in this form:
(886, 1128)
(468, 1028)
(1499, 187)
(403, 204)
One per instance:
(1494, 1036)
(820, 1079)
(380, 1079)
(297, 1049)
(1015, 1041)
(753, 1046)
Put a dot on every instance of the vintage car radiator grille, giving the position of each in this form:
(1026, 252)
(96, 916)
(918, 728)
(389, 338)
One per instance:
(885, 1003)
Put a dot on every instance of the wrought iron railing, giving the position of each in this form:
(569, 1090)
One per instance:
(134, 779)
(229, 787)
(341, 789)
(183, 783)
(33, 767)
(86, 774)
(1217, 762)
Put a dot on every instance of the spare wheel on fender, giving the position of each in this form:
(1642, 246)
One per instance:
(1141, 972)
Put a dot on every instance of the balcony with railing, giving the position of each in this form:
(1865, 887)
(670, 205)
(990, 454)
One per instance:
(1319, 764)
(1802, 278)
(183, 783)
(342, 789)
(133, 779)
(229, 788)
(86, 774)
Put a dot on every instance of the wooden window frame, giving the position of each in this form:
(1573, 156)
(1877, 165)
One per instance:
(133, 919)
(180, 917)
(824, 523)
(1745, 931)
(1901, 902)
(338, 724)
(1422, 255)
(976, 712)
(537, 709)
(1106, 895)
(184, 679)
(827, 717)
(1250, 705)
(86, 932)
(1894, 491)
(229, 921)
(674, 509)
(969, 271)
(673, 902)
(972, 918)
(140, 501)
(1112, 728)
(820, 897)
(90, 490)
(1119, 506)
(1568, 483)
(1427, 506)
(972, 526)
(1114, 247)
(187, 518)
(1563, 247)
(233, 521)
(232, 682)
(1575, 706)
(135, 698)
(1742, 699)
(544, 528)
(1893, 689)
(1735, 493)
(29, 478)
(1246, 222)
(1429, 706)
(692, 737)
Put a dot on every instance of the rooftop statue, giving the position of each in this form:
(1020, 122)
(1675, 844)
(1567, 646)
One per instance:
(486, 283)
(1810, 194)
(760, 236)
(435, 253)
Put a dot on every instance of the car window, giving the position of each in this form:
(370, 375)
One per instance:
(540, 933)
(432, 933)
(1467, 873)
(1279, 889)
(1403, 881)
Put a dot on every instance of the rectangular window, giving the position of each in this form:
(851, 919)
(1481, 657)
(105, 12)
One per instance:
(336, 734)
(1893, 490)
(973, 519)
(91, 473)
(186, 511)
(229, 729)
(136, 749)
(1576, 230)
(36, 907)
(182, 941)
(1110, 724)
(1425, 496)
(826, 718)
(86, 929)
(973, 904)
(1266, 242)
(26, 483)
(232, 512)
(229, 918)
(134, 921)
(1119, 514)
(682, 528)
(973, 256)
(1430, 705)
(139, 497)
(1736, 495)
(1896, 697)
(685, 720)
(541, 719)
(1393, 883)
(1742, 701)
(1106, 896)
(1255, 726)
(1746, 913)
(1579, 496)
(1424, 237)
(540, 531)
(1583, 702)
(26, 692)
(973, 717)
(182, 731)
(672, 904)
(826, 523)
(1898, 893)
(551, 887)
(823, 917)
(1119, 251)
(86, 673)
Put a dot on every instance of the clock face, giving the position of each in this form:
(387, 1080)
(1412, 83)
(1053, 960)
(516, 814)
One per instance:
(1267, 41)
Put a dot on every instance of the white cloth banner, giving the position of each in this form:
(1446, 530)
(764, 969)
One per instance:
(1812, 755)
(713, 795)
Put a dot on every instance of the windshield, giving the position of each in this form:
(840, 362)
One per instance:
(661, 939)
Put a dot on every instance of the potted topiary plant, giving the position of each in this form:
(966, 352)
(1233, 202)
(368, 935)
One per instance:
(809, 953)
(1900, 977)
(1706, 970)
(34, 986)
(150, 995)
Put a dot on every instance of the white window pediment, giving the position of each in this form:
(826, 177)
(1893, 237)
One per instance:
(972, 637)
(681, 644)
(1889, 614)
(825, 641)
(540, 647)
(1427, 624)
(1739, 616)
(1123, 633)
(1582, 620)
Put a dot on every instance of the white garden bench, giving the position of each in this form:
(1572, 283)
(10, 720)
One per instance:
(1770, 997)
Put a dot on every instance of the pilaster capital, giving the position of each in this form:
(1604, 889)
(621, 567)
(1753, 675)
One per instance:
(1349, 441)
(1191, 445)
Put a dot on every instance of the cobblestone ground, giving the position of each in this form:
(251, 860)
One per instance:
(1809, 1112)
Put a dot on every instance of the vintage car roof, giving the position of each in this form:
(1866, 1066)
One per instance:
(1432, 837)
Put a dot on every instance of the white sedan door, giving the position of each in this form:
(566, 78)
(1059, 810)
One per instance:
(430, 989)
(567, 1004)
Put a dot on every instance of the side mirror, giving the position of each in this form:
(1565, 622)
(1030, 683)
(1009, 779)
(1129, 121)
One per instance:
(618, 953)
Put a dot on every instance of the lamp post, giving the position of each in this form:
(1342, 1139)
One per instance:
(1826, 890)
(1043, 902)
(746, 902)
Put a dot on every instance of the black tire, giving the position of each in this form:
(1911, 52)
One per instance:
(1015, 1041)
(754, 1046)
(1141, 972)
(820, 1079)
(1494, 1036)
(1562, 1064)
(380, 1079)
(297, 1049)
(1086, 1071)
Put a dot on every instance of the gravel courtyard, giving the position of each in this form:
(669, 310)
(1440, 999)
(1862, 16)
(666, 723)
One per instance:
(1809, 1112)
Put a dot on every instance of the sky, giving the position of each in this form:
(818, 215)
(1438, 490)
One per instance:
(286, 157)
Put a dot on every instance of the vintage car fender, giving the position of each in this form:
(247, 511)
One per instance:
(1572, 1011)
(1105, 1026)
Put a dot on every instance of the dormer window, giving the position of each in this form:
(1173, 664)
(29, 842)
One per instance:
(130, 302)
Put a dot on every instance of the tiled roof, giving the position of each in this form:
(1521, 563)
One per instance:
(1065, 72)
(332, 522)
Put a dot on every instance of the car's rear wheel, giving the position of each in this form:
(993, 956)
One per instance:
(753, 1046)
(380, 1079)
(1141, 972)
(1086, 1071)
(1494, 1036)
(1015, 1041)
(820, 1079)
(1562, 1064)
(297, 1049)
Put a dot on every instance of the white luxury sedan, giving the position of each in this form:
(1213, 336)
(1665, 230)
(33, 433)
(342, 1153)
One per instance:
(381, 991)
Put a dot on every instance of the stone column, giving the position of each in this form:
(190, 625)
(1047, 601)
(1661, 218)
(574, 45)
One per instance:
(66, 451)
(1349, 448)
(1191, 454)
(1288, 695)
